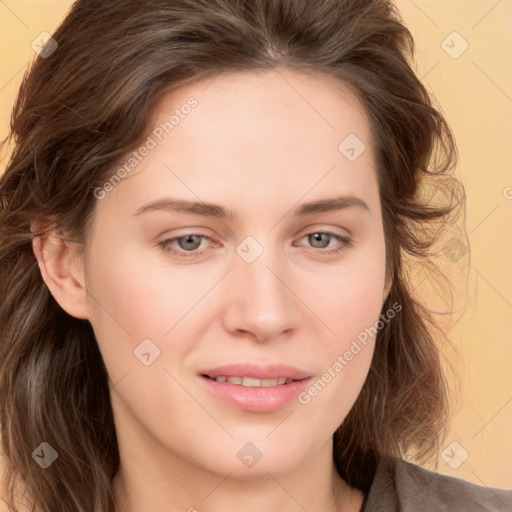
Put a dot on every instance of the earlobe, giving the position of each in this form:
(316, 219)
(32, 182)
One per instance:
(61, 268)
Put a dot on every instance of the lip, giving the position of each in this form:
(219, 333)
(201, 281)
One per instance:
(256, 399)
(271, 371)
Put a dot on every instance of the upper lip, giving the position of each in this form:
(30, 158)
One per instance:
(270, 371)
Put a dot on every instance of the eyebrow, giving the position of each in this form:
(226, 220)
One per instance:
(218, 211)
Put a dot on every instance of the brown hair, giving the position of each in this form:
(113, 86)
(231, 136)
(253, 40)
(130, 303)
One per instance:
(80, 109)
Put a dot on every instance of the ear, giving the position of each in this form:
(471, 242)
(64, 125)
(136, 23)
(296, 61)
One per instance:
(61, 267)
(402, 228)
(387, 289)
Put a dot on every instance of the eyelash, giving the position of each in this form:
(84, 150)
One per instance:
(345, 243)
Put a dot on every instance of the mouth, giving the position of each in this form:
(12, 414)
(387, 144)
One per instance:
(255, 388)
(252, 382)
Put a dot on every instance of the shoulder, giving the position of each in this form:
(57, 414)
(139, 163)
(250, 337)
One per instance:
(401, 486)
(422, 486)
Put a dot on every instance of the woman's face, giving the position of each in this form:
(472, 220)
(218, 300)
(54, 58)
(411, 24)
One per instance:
(175, 294)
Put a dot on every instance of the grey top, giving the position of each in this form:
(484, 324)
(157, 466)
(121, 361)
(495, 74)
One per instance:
(400, 486)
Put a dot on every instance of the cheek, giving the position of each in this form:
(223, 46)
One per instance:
(347, 359)
(132, 295)
(350, 306)
(351, 300)
(135, 301)
(125, 308)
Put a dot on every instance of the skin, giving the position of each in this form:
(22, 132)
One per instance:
(261, 144)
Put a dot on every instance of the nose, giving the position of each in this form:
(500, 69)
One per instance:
(261, 303)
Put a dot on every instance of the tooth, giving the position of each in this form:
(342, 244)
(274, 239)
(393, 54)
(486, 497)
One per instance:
(249, 381)
(253, 382)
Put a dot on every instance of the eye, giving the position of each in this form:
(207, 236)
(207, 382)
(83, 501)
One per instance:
(187, 246)
(321, 240)
(188, 243)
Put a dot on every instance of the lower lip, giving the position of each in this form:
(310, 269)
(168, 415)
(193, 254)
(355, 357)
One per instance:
(256, 399)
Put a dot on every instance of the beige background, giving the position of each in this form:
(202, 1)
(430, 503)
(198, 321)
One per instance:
(475, 92)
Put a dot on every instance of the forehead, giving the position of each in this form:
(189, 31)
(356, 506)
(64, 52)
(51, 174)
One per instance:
(255, 138)
(277, 105)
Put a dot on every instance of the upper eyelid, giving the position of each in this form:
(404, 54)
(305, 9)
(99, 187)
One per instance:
(306, 231)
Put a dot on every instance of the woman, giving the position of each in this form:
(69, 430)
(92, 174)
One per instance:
(207, 219)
